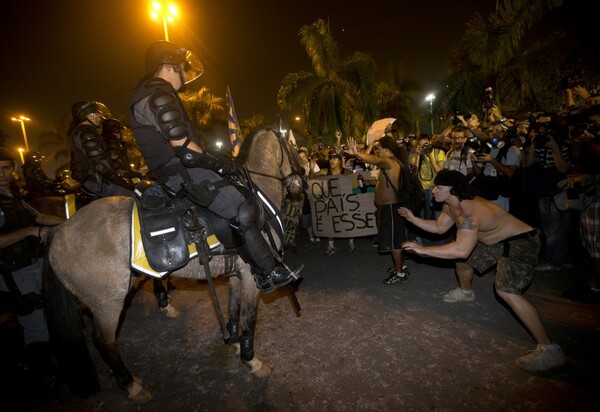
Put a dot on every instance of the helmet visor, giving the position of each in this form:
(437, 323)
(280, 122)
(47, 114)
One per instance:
(192, 67)
(102, 110)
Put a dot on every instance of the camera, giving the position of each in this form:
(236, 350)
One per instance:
(426, 149)
(590, 127)
(455, 120)
(488, 100)
(541, 140)
(476, 145)
(571, 80)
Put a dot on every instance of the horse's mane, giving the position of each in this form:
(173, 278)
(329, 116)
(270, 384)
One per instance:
(248, 144)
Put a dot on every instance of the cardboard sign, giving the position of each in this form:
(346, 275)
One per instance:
(339, 208)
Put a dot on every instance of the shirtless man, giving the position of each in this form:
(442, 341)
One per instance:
(391, 231)
(487, 235)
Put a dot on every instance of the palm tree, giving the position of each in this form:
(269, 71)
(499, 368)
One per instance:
(339, 95)
(493, 53)
(251, 123)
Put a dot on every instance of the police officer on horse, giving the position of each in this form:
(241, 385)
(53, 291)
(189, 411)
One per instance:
(89, 154)
(169, 143)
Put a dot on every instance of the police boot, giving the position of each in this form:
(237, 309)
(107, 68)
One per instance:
(255, 251)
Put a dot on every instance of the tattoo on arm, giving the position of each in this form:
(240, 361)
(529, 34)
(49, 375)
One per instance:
(466, 223)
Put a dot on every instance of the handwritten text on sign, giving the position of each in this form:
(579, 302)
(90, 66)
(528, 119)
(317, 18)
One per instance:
(339, 209)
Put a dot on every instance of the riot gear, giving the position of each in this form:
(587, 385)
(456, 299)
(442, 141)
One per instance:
(81, 109)
(157, 118)
(168, 112)
(185, 62)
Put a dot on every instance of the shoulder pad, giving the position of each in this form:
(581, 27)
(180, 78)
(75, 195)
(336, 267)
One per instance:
(158, 83)
(169, 115)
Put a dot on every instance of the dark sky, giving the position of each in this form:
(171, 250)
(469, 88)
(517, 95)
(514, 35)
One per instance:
(57, 52)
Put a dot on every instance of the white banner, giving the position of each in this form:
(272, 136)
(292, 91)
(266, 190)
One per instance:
(339, 208)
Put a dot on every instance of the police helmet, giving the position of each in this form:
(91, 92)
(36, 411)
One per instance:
(111, 126)
(165, 52)
(81, 109)
(33, 156)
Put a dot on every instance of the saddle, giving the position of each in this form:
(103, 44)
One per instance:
(165, 230)
(167, 227)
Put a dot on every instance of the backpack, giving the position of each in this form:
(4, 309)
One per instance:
(410, 191)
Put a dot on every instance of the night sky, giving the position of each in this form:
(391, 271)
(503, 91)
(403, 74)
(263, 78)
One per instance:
(60, 51)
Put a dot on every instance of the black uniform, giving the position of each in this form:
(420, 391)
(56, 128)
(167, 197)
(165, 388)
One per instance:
(38, 184)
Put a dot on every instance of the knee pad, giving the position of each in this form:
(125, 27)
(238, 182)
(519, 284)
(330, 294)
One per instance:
(247, 215)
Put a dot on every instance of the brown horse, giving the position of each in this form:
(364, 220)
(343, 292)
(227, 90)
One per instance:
(89, 262)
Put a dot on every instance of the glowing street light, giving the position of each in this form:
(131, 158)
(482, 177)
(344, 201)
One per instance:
(430, 98)
(21, 150)
(166, 12)
(22, 119)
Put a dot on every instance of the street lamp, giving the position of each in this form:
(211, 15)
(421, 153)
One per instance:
(22, 119)
(430, 98)
(166, 12)
(21, 150)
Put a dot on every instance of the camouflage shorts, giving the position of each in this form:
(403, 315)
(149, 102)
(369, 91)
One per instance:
(513, 272)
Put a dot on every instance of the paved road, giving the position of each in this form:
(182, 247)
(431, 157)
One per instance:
(358, 345)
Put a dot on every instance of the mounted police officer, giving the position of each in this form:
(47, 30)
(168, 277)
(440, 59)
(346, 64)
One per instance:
(112, 132)
(36, 181)
(89, 161)
(168, 141)
(22, 232)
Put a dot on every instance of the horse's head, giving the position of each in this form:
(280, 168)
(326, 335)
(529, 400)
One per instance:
(267, 154)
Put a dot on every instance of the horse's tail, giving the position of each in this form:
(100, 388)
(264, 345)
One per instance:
(65, 324)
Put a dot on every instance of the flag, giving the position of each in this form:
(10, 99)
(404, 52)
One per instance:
(234, 126)
(291, 138)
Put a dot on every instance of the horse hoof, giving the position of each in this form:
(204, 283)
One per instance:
(137, 393)
(258, 369)
(171, 311)
(236, 347)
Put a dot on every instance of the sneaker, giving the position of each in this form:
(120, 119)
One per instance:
(459, 295)
(330, 250)
(544, 357)
(396, 277)
(404, 269)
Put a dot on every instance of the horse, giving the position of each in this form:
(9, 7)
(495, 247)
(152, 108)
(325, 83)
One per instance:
(88, 264)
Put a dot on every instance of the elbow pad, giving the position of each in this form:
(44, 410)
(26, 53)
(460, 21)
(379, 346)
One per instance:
(191, 158)
(169, 115)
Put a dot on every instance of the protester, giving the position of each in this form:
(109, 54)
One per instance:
(489, 236)
(548, 162)
(391, 230)
(336, 168)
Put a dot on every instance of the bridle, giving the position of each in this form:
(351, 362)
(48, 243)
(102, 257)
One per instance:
(297, 172)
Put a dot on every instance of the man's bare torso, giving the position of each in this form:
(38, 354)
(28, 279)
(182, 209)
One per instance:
(493, 223)
(384, 193)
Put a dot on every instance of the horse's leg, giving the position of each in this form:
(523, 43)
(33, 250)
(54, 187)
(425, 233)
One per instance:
(106, 342)
(160, 291)
(248, 309)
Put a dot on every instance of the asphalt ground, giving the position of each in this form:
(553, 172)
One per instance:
(356, 345)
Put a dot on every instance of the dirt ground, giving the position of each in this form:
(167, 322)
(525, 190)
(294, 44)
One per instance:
(356, 345)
